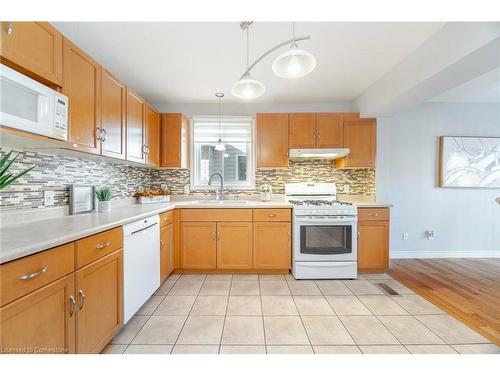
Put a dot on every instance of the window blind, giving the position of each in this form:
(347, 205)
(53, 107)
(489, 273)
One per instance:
(233, 130)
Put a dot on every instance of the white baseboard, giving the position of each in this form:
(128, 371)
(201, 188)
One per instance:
(443, 254)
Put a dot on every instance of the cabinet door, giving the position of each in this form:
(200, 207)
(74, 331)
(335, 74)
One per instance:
(234, 245)
(360, 138)
(42, 321)
(33, 48)
(373, 246)
(272, 140)
(153, 136)
(198, 245)
(166, 251)
(174, 140)
(302, 130)
(99, 289)
(81, 84)
(329, 130)
(272, 245)
(113, 112)
(136, 117)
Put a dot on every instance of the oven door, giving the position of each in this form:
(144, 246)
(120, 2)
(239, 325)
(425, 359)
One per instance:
(325, 239)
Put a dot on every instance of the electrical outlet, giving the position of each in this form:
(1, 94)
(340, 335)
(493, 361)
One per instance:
(405, 236)
(347, 189)
(429, 233)
(48, 198)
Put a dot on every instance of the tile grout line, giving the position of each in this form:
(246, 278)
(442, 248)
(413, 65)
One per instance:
(225, 315)
(300, 316)
(262, 315)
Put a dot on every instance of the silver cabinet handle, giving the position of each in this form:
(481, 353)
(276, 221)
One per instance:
(10, 28)
(314, 135)
(72, 300)
(317, 136)
(272, 215)
(373, 214)
(82, 299)
(98, 133)
(103, 135)
(161, 242)
(102, 245)
(179, 155)
(30, 276)
(213, 235)
(218, 235)
(289, 236)
(359, 234)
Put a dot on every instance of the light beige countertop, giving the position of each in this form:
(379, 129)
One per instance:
(26, 238)
(363, 201)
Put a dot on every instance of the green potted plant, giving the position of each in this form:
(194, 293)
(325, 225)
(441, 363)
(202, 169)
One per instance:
(103, 195)
(6, 177)
(265, 193)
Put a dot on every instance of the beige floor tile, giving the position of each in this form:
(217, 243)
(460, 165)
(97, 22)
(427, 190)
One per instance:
(160, 330)
(164, 288)
(367, 330)
(347, 305)
(416, 305)
(409, 330)
(186, 288)
(278, 305)
(195, 349)
(242, 349)
(114, 349)
(430, 349)
(130, 330)
(244, 305)
(362, 287)
(210, 305)
(477, 349)
(202, 330)
(290, 277)
(382, 305)
(272, 277)
(175, 305)
(326, 330)
(149, 349)
(245, 288)
(150, 306)
(451, 330)
(274, 288)
(313, 305)
(395, 285)
(377, 276)
(245, 277)
(303, 288)
(173, 277)
(289, 349)
(243, 330)
(333, 287)
(222, 276)
(285, 330)
(215, 288)
(337, 349)
(383, 349)
(192, 277)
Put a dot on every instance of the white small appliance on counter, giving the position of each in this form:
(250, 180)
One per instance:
(26, 104)
(324, 242)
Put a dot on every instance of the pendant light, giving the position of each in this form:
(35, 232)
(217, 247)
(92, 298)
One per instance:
(248, 87)
(295, 62)
(220, 146)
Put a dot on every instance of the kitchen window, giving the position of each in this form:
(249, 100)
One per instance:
(235, 163)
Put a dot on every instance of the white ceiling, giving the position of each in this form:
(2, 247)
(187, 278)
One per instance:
(188, 62)
(483, 89)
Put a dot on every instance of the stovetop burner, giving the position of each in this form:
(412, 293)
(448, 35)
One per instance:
(319, 202)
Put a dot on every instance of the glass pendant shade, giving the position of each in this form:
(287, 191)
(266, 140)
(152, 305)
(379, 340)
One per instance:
(248, 88)
(294, 63)
(220, 146)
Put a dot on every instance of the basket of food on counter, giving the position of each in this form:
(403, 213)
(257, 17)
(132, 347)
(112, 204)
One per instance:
(153, 196)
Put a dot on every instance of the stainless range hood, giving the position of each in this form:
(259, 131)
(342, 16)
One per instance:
(318, 153)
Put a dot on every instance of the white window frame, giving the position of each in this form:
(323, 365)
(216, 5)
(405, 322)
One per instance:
(192, 154)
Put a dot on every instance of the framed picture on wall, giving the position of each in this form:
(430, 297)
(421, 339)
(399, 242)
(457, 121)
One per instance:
(469, 162)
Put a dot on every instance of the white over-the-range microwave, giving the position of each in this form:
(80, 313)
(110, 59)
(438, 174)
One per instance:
(26, 104)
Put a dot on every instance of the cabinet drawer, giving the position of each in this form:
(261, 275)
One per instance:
(166, 218)
(373, 214)
(216, 214)
(24, 275)
(94, 247)
(272, 214)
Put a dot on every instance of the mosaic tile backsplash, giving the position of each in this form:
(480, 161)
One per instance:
(56, 173)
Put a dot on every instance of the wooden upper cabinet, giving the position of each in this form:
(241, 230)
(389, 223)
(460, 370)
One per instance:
(136, 117)
(329, 130)
(153, 136)
(34, 49)
(272, 140)
(234, 245)
(81, 84)
(113, 116)
(174, 141)
(302, 130)
(360, 137)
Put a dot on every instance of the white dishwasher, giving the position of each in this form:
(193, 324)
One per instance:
(141, 263)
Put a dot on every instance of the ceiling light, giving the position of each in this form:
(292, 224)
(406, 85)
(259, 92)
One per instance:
(220, 146)
(248, 88)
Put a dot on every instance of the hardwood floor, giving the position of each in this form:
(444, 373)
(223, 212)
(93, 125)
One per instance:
(468, 289)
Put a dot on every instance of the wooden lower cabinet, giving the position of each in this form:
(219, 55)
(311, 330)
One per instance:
(272, 245)
(42, 321)
(373, 246)
(166, 251)
(199, 245)
(234, 245)
(99, 293)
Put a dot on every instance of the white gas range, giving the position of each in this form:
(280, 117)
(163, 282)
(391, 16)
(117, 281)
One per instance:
(324, 232)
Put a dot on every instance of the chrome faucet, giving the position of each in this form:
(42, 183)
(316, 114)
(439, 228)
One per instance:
(219, 194)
